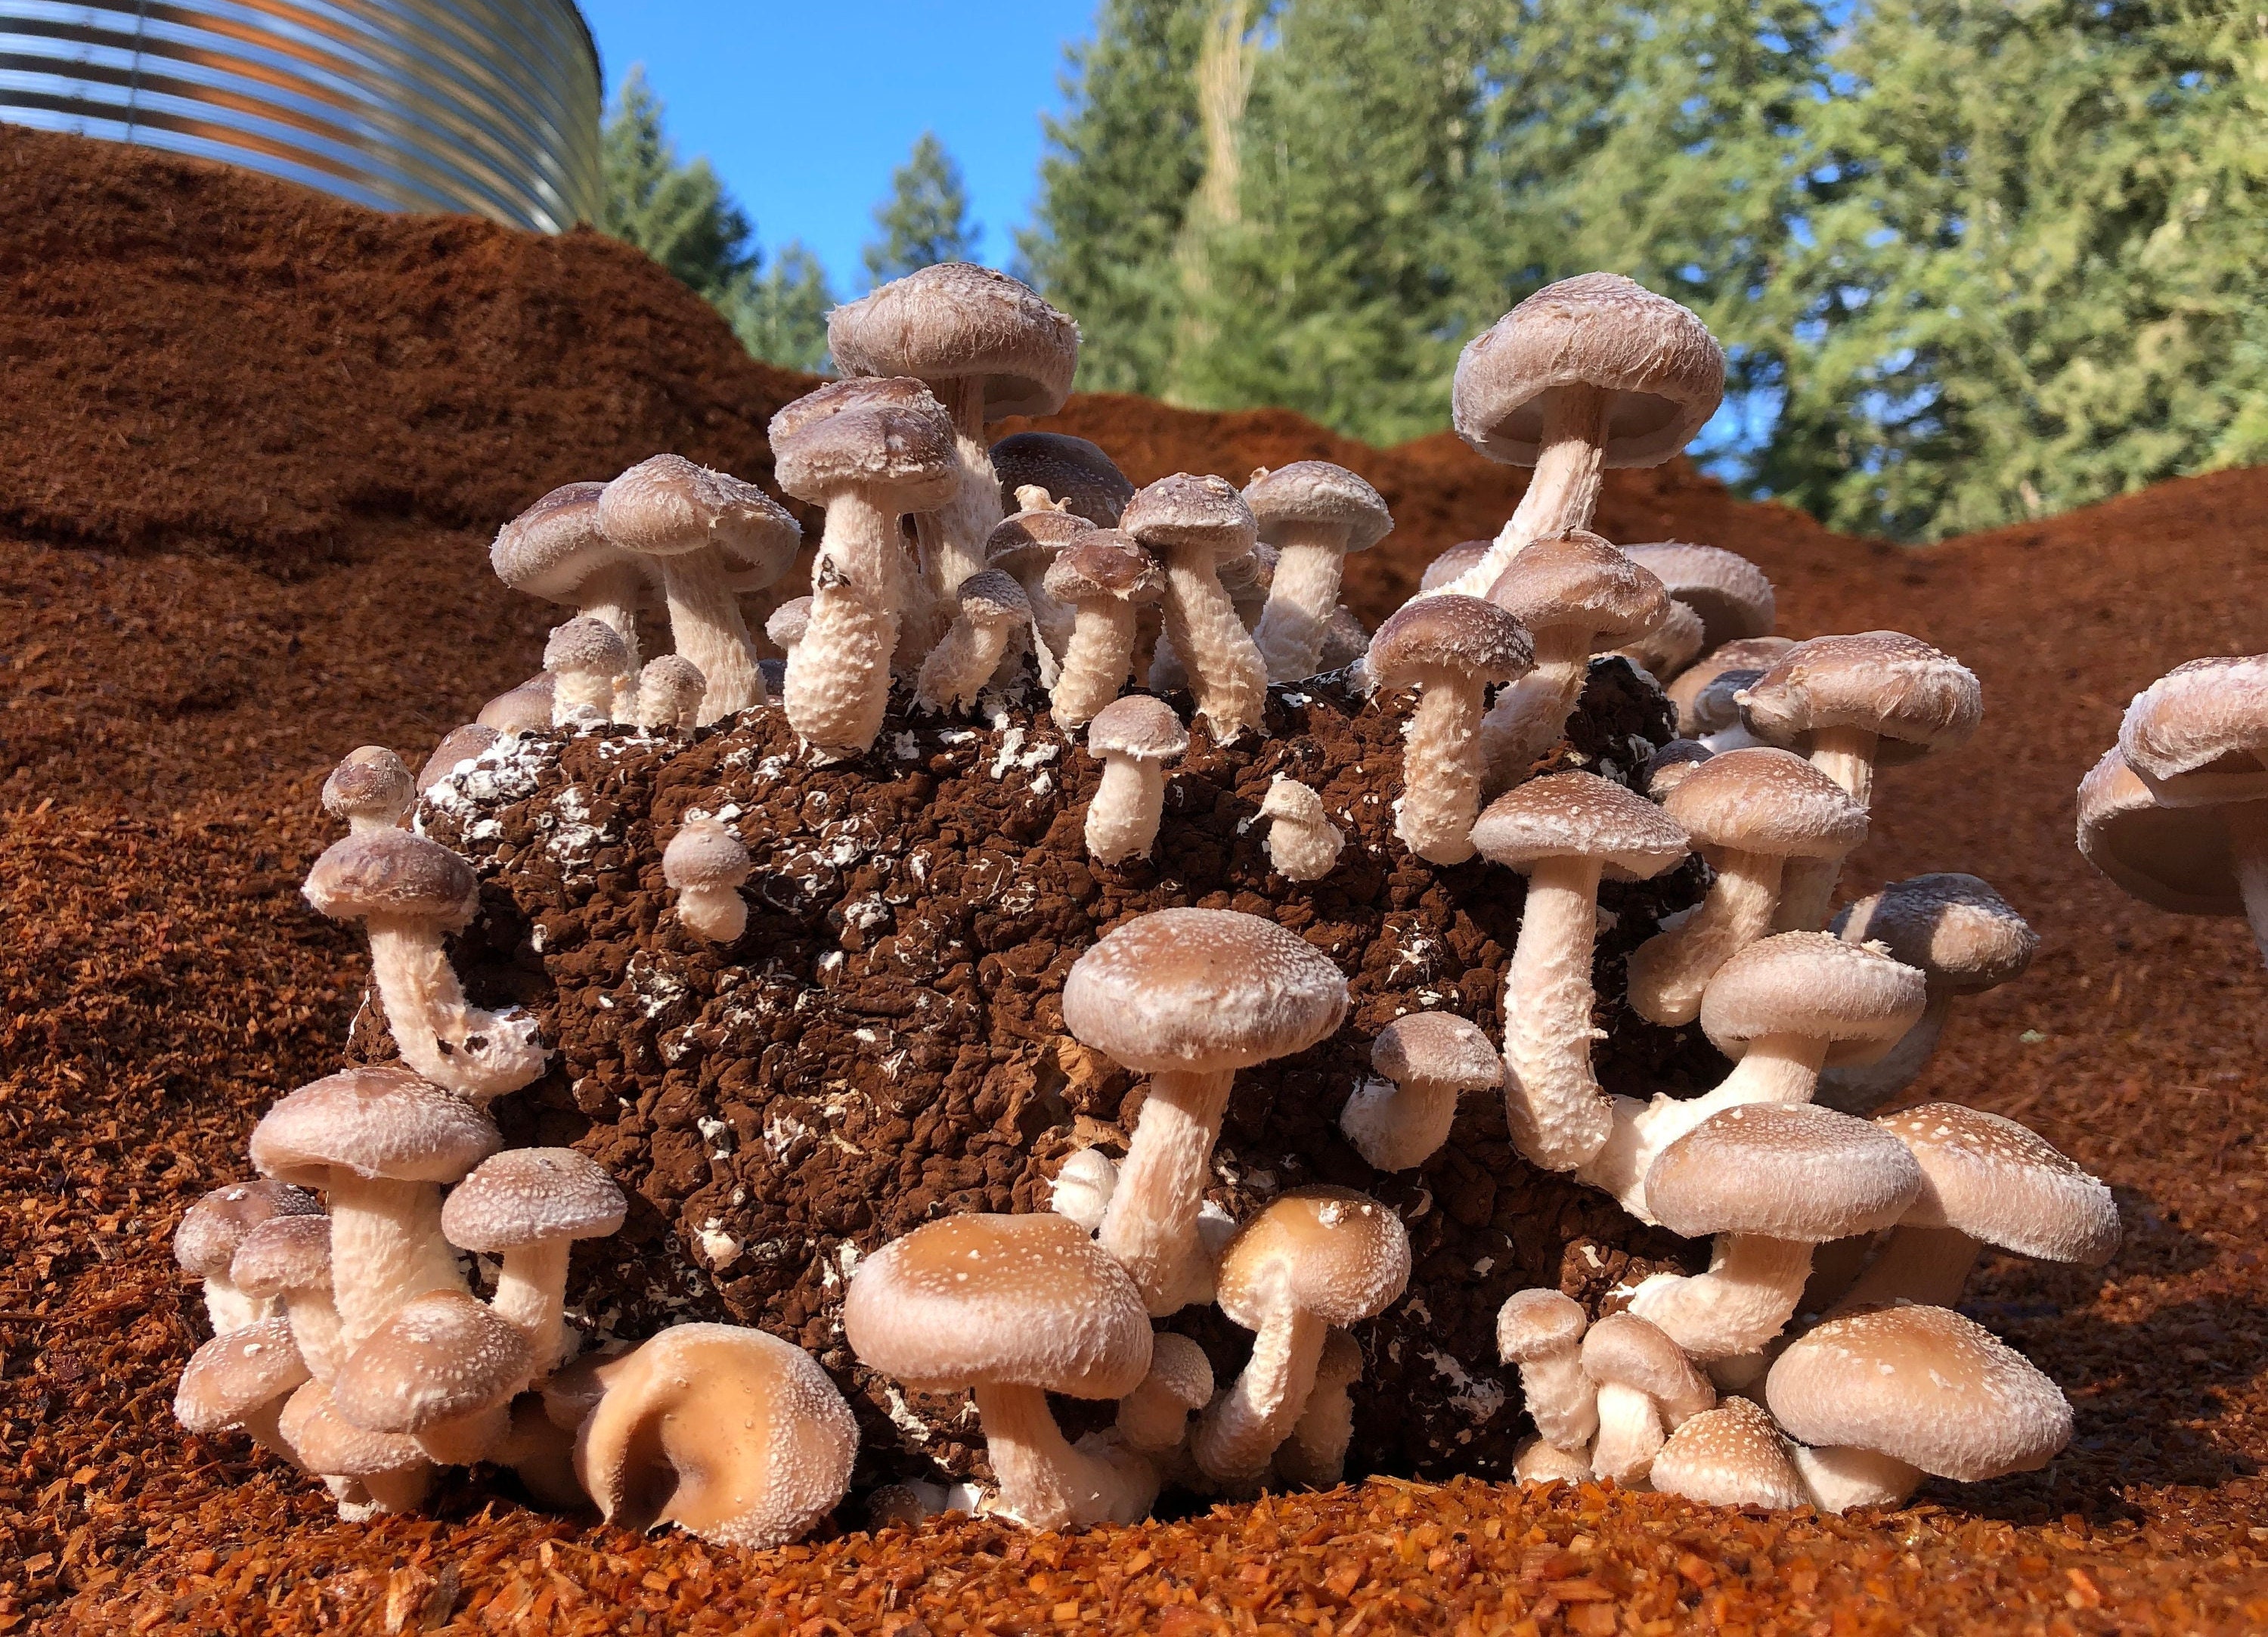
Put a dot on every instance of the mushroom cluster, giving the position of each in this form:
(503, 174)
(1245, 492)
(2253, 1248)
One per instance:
(1814, 1359)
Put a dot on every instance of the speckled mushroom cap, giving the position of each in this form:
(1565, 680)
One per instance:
(1464, 636)
(1916, 698)
(1954, 929)
(2176, 858)
(1627, 1350)
(532, 1197)
(1289, 799)
(1995, 1181)
(233, 1374)
(1137, 725)
(526, 709)
(327, 1442)
(957, 322)
(1664, 372)
(1729, 1456)
(1437, 1049)
(890, 436)
(666, 505)
(1453, 564)
(393, 873)
(2198, 735)
(458, 746)
(370, 783)
(1731, 594)
(1768, 801)
(588, 645)
(1315, 494)
(1815, 985)
(1923, 1385)
(1536, 1323)
(375, 1122)
(789, 622)
(1747, 654)
(1332, 1252)
(1579, 815)
(679, 676)
(1672, 765)
(1578, 582)
(1027, 1300)
(553, 549)
(1202, 990)
(1191, 513)
(1180, 1369)
(704, 853)
(991, 598)
(216, 1227)
(1078, 474)
(283, 1253)
(1028, 542)
(436, 1357)
(1787, 1171)
(1104, 562)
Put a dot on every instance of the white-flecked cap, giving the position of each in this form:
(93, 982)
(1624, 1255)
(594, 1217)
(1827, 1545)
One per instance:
(666, 505)
(1995, 1181)
(375, 1122)
(1786, 1170)
(1137, 725)
(705, 852)
(1332, 1252)
(1917, 698)
(393, 873)
(1768, 801)
(1732, 1456)
(233, 1374)
(2197, 736)
(370, 784)
(1564, 815)
(1814, 986)
(532, 1197)
(1308, 496)
(955, 321)
(1578, 582)
(1538, 1323)
(1437, 1049)
(435, 1358)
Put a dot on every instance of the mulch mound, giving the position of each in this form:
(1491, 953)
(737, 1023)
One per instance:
(256, 445)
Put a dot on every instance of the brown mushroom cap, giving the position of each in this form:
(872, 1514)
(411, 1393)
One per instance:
(1465, 635)
(215, 1227)
(458, 746)
(957, 322)
(393, 871)
(1664, 372)
(1730, 1456)
(1917, 698)
(369, 783)
(1193, 512)
(1786, 1170)
(586, 645)
(1455, 564)
(1636, 1353)
(2176, 858)
(888, 435)
(326, 1442)
(552, 550)
(705, 853)
(232, 1376)
(1332, 1252)
(1579, 815)
(1028, 541)
(532, 1197)
(1578, 582)
(1954, 929)
(1731, 594)
(1995, 1181)
(283, 1253)
(1768, 801)
(1104, 562)
(666, 505)
(1199, 989)
(1437, 1049)
(1077, 473)
(2198, 735)
(526, 709)
(1923, 1385)
(1140, 725)
(1671, 765)
(1533, 1323)
(1815, 985)
(375, 1122)
(1748, 653)
(436, 1357)
(990, 599)
(1317, 494)
(1030, 1301)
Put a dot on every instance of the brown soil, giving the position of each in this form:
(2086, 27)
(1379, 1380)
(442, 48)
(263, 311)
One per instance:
(188, 656)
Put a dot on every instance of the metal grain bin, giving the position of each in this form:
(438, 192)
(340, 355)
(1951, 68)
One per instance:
(489, 107)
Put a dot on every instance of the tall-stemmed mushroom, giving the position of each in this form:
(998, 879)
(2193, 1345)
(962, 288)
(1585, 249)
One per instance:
(992, 608)
(1452, 648)
(1315, 514)
(1025, 544)
(528, 1205)
(1588, 373)
(1103, 577)
(1190, 523)
(1542, 1331)
(1314, 1456)
(1189, 997)
(1565, 833)
(558, 551)
(711, 536)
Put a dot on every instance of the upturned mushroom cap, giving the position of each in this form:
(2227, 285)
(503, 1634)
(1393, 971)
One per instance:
(1664, 372)
(1627, 1350)
(957, 322)
(1729, 592)
(1747, 654)
(1954, 929)
(1104, 564)
(1732, 1456)
(1026, 543)
(1578, 582)
(991, 600)
(215, 1227)
(1308, 495)
(586, 645)
(1332, 1252)
(1815, 985)
(1917, 698)
(1564, 815)
(1463, 635)
(1768, 801)
(2198, 735)
(1534, 1324)
(1437, 1049)
(1189, 512)
(666, 505)
(374, 1121)
(1077, 473)
(1453, 564)
(704, 853)
(393, 871)
(232, 1376)
(2176, 858)
(1923, 1385)
(890, 436)
(1995, 1181)
(532, 1197)
(552, 550)
(1786, 1170)
(458, 746)
(1027, 1300)
(1140, 725)
(1202, 990)
(283, 1253)
(371, 784)
(789, 622)
(327, 1442)
(436, 1357)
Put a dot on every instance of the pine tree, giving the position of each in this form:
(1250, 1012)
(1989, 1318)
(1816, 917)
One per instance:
(926, 219)
(782, 315)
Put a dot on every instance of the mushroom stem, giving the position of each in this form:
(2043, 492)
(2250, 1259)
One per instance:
(1562, 491)
(961, 665)
(1530, 716)
(612, 593)
(1122, 820)
(1095, 661)
(953, 537)
(1744, 1300)
(719, 914)
(313, 1315)
(1044, 1482)
(1669, 971)
(531, 1292)
(1240, 1429)
(1928, 1266)
(1442, 761)
(474, 1053)
(1301, 601)
(1840, 1477)
(1313, 1453)
(1560, 1118)
(1225, 668)
(1776, 1068)
(1394, 1127)
(1845, 754)
(1151, 1224)
(1561, 1399)
(706, 625)
(386, 1247)
(230, 1309)
(1862, 1087)
(2248, 842)
(1630, 1434)
(838, 678)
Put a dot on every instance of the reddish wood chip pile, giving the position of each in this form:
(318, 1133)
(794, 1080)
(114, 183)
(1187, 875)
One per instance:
(255, 444)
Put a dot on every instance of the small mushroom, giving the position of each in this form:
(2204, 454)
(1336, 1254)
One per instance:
(526, 709)
(1026, 545)
(239, 1381)
(993, 608)
(1534, 1461)
(1103, 577)
(1075, 473)
(212, 1229)
(1314, 1259)
(1427, 1059)
(1314, 1455)
(670, 690)
(1153, 1419)
(1758, 654)
(705, 865)
(369, 1471)
(1083, 1186)
(1188, 997)
(441, 1369)
(528, 1205)
(1190, 524)
(370, 790)
(458, 748)
(589, 661)
(1452, 648)
(288, 1259)
(1315, 514)
(1014, 1307)
(1452, 563)
(1647, 1387)
(1134, 737)
(1672, 765)
(788, 623)
(1733, 1456)
(1302, 842)
(1346, 644)
(558, 551)
(1727, 593)
(1542, 1331)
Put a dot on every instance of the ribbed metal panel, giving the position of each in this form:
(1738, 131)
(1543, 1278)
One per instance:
(489, 107)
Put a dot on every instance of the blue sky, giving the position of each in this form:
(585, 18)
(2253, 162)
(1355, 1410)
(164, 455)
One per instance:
(805, 110)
